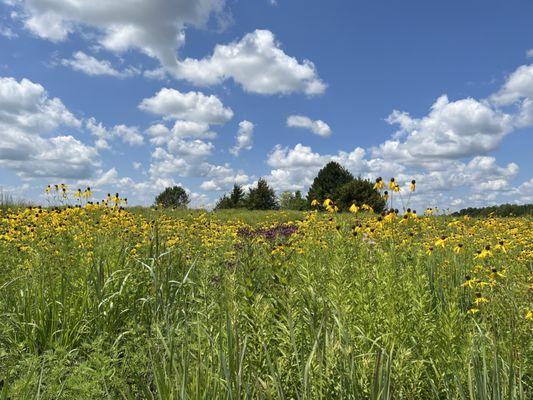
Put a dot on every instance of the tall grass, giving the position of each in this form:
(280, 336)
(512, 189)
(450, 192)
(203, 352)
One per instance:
(348, 322)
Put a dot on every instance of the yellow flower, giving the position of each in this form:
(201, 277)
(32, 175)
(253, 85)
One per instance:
(327, 203)
(379, 184)
(457, 249)
(469, 282)
(529, 315)
(441, 242)
(500, 246)
(392, 184)
(412, 186)
(87, 193)
(315, 203)
(385, 195)
(473, 310)
(480, 300)
(353, 208)
(484, 253)
(366, 207)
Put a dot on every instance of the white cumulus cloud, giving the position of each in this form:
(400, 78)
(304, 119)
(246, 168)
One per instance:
(154, 27)
(92, 66)
(257, 63)
(243, 138)
(318, 127)
(29, 119)
(190, 106)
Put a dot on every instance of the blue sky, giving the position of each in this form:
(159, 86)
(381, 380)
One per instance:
(135, 95)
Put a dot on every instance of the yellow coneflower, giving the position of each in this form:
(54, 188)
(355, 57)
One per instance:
(385, 195)
(327, 203)
(458, 248)
(441, 242)
(315, 203)
(353, 208)
(392, 184)
(379, 184)
(87, 193)
(469, 282)
(48, 189)
(501, 246)
(473, 310)
(480, 299)
(486, 252)
(389, 217)
(366, 207)
(412, 186)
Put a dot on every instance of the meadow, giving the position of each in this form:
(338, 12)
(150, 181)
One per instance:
(107, 303)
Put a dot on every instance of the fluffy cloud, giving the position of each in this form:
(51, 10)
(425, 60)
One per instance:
(190, 106)
(139, 192)
(518, 91)
(128, 134)
(26, 105)
(26, 114)
(318, 127)
(180, 150)
(451, 130)
(297, 157)
(225, 182)
(243, 138)
(181, 129)
(295, 168)
(523, 193)
(155, 27)
(62, 157)
(257, 63)
(517, 86)
(92, 66)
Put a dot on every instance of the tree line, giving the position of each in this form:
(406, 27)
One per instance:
(332, 182)
(502, 210)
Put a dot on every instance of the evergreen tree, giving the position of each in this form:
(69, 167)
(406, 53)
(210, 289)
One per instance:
(261, 197)
(328, 181)
(236, 199)
(173, 197)
(224, 203)
(237, 196)
(359, 191)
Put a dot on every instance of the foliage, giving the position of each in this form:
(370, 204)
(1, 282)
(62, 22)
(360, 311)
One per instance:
(292, 201)
(175, 197)
(502, 210)
(328, 181)
(360, 191)
(104, 303)
(261, 197)
(236, 199)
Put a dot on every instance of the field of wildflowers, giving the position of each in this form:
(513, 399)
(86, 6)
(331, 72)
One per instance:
(102, 302)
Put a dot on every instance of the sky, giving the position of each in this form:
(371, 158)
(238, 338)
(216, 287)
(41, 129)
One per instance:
(133, 96)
